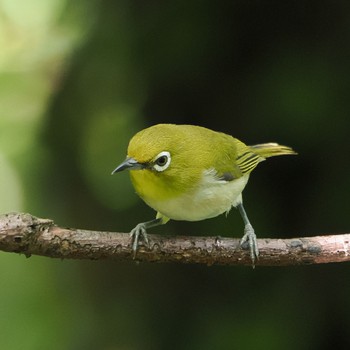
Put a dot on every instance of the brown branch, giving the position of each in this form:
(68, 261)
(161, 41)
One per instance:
(26, 234)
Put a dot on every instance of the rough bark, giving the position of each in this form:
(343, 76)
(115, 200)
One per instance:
(29, 235)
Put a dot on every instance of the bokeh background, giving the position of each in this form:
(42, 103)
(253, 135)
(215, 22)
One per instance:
(79, 78)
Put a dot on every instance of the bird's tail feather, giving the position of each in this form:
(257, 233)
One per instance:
(267, 150)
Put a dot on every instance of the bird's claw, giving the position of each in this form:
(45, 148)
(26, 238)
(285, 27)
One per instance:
(139, 230)
(250, 237)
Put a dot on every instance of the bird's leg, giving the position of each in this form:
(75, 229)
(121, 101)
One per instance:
(141, 230)
(249, 235)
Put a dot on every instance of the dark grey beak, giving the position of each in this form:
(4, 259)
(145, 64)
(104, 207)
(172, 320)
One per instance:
(128, 164)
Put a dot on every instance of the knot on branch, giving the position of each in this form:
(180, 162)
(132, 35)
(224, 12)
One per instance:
(19, 230)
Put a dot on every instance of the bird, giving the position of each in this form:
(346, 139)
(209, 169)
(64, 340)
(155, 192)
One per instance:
(192, 173)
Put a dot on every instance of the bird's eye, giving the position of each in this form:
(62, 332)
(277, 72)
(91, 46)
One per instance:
(162, 161)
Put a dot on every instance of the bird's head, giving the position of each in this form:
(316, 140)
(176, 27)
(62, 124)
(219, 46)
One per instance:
(163, 161)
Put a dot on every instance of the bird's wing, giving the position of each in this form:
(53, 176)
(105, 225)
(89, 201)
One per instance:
(235, 160)
(247, 161)
(244, 164)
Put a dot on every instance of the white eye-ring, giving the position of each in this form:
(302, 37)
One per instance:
(162, 161)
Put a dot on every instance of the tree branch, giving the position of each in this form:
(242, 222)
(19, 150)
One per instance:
(26, 234)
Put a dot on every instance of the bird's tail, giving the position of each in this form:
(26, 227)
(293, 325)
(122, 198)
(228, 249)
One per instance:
(267, 150)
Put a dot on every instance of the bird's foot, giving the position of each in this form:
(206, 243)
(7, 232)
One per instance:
(135, 234)
(249, 237)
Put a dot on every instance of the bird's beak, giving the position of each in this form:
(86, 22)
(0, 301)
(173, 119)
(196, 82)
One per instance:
(128, 164)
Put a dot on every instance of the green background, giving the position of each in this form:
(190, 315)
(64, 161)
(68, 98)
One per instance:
(79, 78)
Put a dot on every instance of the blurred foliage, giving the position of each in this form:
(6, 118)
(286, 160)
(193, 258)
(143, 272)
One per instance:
(78, 79)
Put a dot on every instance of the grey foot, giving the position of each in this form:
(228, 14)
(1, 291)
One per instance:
(139, 230)
(250, 237)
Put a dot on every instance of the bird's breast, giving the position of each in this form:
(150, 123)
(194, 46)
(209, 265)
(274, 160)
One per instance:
(210, 198)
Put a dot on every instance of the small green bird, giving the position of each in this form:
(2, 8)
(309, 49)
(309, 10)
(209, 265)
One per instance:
(188, 172)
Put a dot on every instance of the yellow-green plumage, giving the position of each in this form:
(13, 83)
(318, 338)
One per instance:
(188, 172)
(193, 149)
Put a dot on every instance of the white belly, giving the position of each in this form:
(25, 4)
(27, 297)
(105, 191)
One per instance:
(212, 198)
